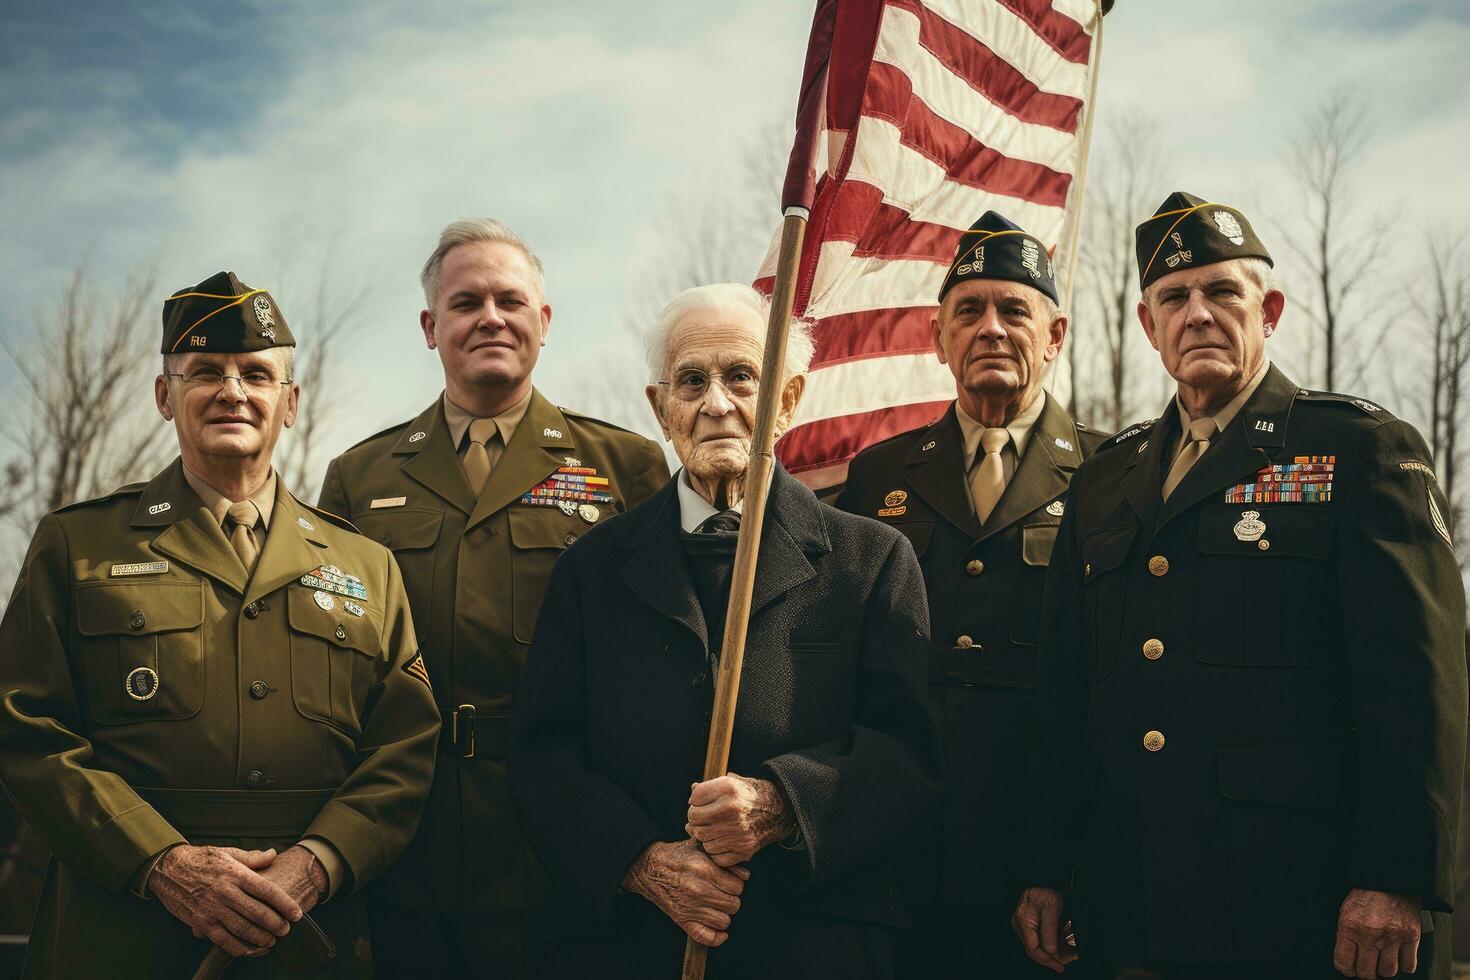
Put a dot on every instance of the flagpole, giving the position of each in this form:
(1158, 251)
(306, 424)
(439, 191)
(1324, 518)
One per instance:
(757, 487)
(1072, 240)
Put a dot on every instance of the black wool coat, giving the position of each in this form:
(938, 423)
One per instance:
(614, 704)
(1248, 708)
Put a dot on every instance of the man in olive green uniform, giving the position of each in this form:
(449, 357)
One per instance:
(979, 495)
(478, 496)
(1251, 699)
(212, 707)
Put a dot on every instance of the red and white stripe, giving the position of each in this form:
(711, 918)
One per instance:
(933, 112)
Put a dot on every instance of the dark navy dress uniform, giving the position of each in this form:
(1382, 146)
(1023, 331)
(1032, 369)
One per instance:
(985, 590)
(1251, 696)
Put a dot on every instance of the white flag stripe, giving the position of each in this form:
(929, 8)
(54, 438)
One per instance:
(873, 383)
(1013, 40)
(876, 284)
(912, 181)
(1082, 11)
(952, 98)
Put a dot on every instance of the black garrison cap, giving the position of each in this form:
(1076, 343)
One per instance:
(1187, 232)
(225, 316)
(996, 248)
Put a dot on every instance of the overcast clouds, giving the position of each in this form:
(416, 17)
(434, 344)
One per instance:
(215, 135)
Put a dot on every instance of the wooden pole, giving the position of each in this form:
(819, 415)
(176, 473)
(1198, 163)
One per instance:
(757, 488)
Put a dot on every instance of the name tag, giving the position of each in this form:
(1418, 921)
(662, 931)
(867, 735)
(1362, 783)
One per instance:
(387, 502)
(140, 568)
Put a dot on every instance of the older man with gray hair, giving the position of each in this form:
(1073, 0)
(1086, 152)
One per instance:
(477, 497)
(783, 863)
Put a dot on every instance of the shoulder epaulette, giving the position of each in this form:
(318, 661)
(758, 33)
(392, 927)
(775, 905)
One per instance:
(379, 434)
(1369, 408)
(898, 436)
(126, 490)
(603, 423)
(330, 517)
(1128, 432)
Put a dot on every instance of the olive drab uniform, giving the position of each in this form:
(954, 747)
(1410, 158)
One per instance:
(985, 587)
(1252, 695)
(153, 694)
(475, 571)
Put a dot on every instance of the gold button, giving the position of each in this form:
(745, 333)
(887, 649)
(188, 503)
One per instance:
(1087, 569)
(1158, 565)
(1263, 544)
(1153, 741)
(964, 642)
(1153, 649)
(975, 567)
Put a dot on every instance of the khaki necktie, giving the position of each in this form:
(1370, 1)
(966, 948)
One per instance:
(476, 459)
(1201, 431)
(988, 477)
(241, 518)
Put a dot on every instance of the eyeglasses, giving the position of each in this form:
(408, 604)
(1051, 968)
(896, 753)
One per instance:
(252, 382)
(692, 385)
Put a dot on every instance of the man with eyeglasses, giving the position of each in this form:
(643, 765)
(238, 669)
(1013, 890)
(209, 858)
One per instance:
(478, 497)
(212, 706)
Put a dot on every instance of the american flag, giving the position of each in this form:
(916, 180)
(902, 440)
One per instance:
(916, 117)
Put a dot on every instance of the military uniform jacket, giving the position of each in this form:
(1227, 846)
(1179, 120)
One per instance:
(984, 586)
(1252, 698)
(475, 571)
(150, 696)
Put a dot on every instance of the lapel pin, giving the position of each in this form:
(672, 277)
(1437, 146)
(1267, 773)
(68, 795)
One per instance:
(305, 524)
(417, 436)
(1064, 444)
(1142, 446)
(1055, 508)
(928, 446)
(160, 508)
(551, 433)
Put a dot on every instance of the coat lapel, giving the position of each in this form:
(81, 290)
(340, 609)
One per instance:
(1042, 474)
(432, 458)
(793, 530)
(541, 443)
(191, 536)
(656, 571)
(1241, 449)
(936, 471)
(293, 547)
(1144, 479)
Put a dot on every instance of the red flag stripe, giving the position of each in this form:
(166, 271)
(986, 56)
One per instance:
(1063, 33)
(990, 75)
(878, 333)
(829, 441)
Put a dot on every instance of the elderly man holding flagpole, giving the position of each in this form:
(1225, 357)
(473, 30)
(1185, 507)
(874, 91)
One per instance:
(781, 865)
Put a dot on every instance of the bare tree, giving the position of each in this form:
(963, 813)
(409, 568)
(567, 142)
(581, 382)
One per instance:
(1338, 244)
(1128, 174)
(87, 423)
(1445, 312)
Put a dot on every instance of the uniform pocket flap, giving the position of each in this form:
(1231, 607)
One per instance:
(402, 529)
(1037, 542)
(1317, 776)
(1106, 550)
(1294, 531)
(542, 527)
(917, 533)
(138, 610)
(336, 626)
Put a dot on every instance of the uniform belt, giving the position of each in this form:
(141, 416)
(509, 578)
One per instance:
(238, 812)
(475, 733)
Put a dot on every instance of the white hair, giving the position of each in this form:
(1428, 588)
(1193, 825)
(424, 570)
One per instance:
(469, 231)
(723, 297)
(1257, 269)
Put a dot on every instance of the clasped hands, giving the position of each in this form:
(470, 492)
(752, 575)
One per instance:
(242, 901)
(697, 882)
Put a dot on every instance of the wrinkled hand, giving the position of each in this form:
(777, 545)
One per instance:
(217, 892)
(1038, 921)
(734, 817)
(300, 875)
(1377, 934)
(689, 887)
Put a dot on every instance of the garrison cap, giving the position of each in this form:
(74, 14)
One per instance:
(996, 248)
(223, 315)
(1187, 232)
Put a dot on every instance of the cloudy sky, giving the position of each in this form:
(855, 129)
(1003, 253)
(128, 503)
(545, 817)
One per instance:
(261, 136)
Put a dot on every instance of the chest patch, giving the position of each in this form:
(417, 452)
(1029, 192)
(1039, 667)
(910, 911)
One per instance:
(574, 485)
(1305, 480)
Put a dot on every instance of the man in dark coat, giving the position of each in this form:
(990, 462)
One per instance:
(783, 865)
(1252, 693)
(983, 524)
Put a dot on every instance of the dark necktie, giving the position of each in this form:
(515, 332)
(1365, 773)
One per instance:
(725, 522)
